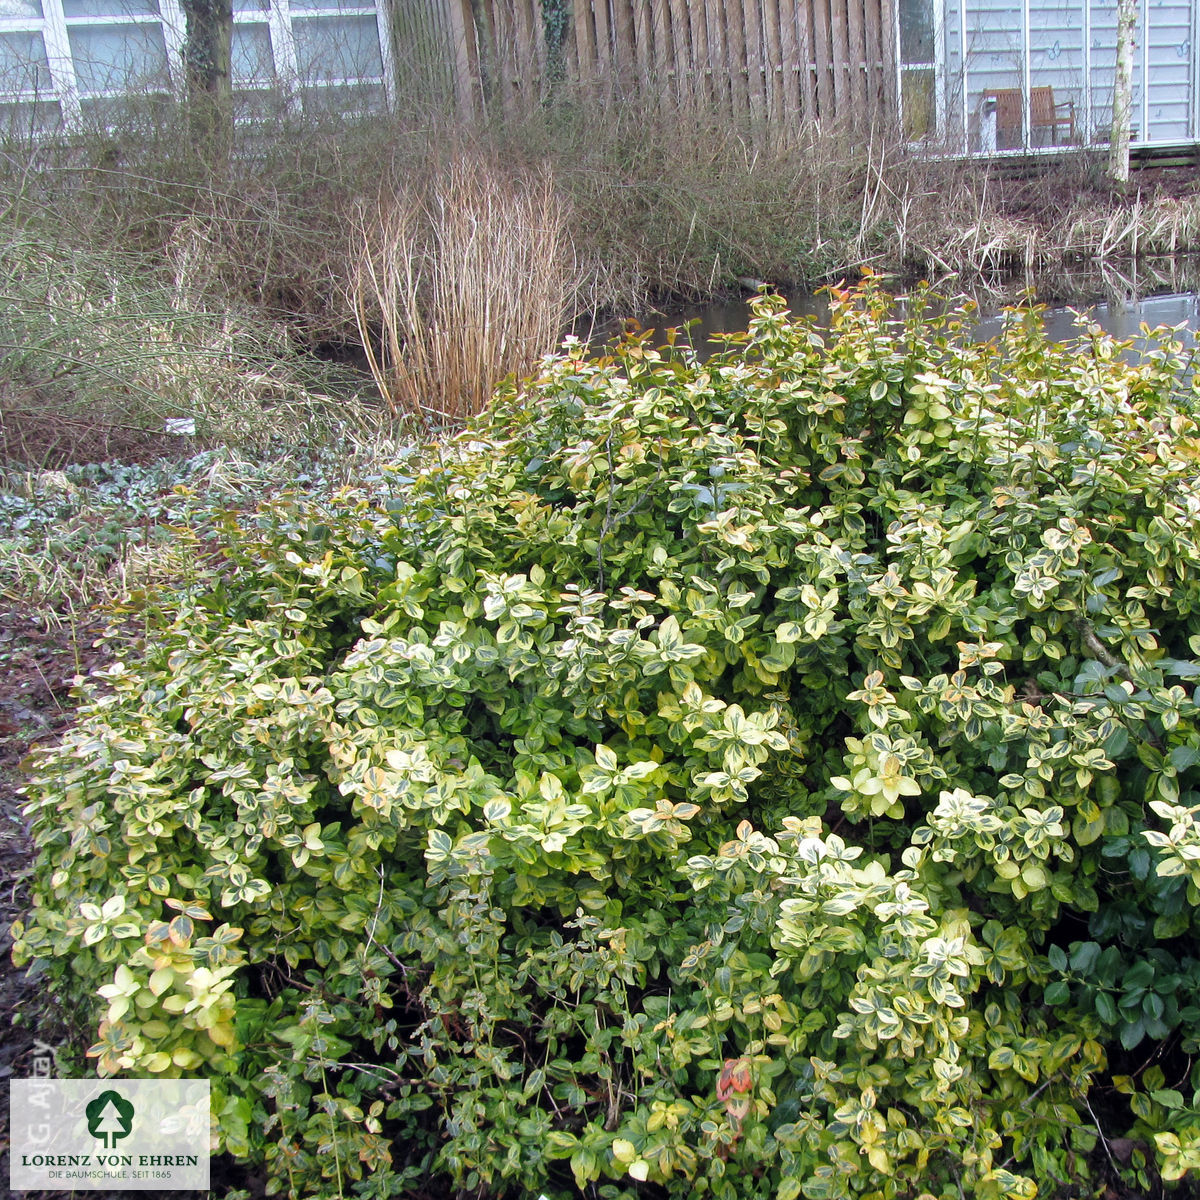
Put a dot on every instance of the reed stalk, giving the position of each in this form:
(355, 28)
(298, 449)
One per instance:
(461, 281)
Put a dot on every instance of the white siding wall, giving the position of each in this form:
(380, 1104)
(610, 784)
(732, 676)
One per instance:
(1070, 45)
(1056, 58)
(1170, 41)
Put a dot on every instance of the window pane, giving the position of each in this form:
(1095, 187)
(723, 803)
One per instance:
(23, 66)
(112, 57)
(261, 107)
(916, 31)
(337, 48)
(345, 100)
(916, 97)
(108, 8)
(20, 8)
(149, 113)
(20, 120)
(252, 62)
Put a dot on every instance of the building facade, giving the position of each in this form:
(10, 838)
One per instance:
(63, 62)
(966, 76)
(995, 75)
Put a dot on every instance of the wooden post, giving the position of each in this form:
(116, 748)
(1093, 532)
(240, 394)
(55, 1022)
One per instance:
(735, 58)
(873, 48)
(604, 63)
(823, 59)
(682, 62)
(525, 83)
(585, 39)
(890, 56)
(642, 47)
(806, 58)
(662, 75)
(702, 83)
(541, 51)
(718, 57)
(776, 107)
(839, 59)
(495, 27)
(468, 85)
(857, 60)
(794, 71)
(756, 84)
(624, 57)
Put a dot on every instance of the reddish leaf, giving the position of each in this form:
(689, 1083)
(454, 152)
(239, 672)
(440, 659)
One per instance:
(734, 1077)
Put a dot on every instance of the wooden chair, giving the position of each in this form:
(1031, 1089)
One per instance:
(1044, 113)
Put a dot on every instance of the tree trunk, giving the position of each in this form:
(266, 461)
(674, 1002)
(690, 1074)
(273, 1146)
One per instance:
(1122, 116)
(207, 57)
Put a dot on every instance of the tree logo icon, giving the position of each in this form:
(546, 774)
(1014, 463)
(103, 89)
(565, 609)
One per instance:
(109, 1117)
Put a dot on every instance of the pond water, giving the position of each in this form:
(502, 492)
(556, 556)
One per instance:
(1122, 317)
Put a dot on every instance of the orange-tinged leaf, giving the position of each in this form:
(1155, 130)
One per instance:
(735, 1077)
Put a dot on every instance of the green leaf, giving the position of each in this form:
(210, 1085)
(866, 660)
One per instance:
(1140, 975)
(1184, 757)
(1001, 1057)
(1168, 1098)
(1058, 992)
(1132, 1033)
(1083, 956)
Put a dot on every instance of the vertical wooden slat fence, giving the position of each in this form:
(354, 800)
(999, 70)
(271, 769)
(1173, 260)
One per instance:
(889, 83)
(600, 15)
(775, 63)
(623, 64)
(586, 54)
(823, 60)
(735, 63)
(663, 69)
(856, 56)
(724, 93)
(873, 45)
(805, 64)
(460, 22)
(680, 67)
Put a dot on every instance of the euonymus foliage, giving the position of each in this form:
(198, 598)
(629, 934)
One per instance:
(768, 777)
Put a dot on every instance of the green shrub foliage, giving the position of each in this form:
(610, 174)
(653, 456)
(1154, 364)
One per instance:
(765, 777)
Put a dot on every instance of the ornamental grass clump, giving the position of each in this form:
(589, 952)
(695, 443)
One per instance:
(462, 278)
(769, 777)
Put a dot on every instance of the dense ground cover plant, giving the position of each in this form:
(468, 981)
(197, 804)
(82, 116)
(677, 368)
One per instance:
(90, 539)
(767, 777)
(100, 349)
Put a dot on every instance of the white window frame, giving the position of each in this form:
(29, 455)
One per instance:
(937, 10)
(278, 17)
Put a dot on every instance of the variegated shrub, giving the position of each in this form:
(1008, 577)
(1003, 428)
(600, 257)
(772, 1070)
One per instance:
(761, 777)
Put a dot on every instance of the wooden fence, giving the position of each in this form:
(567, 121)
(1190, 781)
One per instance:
(774, 62)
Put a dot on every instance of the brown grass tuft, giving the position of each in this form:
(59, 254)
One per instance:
(462, 279)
